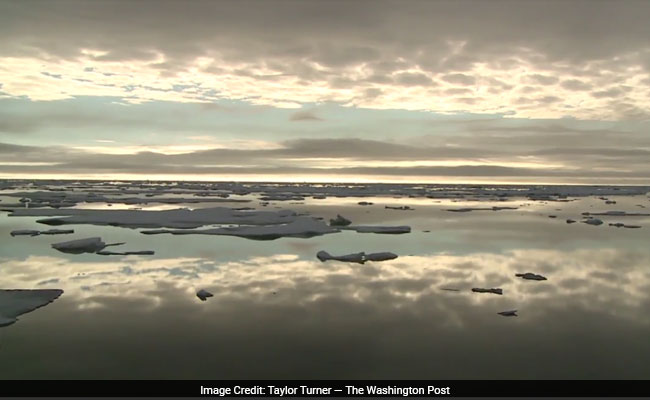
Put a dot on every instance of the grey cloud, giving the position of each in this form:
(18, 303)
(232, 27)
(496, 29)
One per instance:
(584, 163)
(543, 79)
(335, 34)
(413, 79)
(575, 84)
(459, 79)
(304, 116)
(613, 92)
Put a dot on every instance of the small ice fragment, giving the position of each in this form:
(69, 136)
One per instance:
(531, 276)
(25, 232)
(552, 216)
(365, 203)
(511, 313)
(593, 221)
(481, 290)
(340, 221)
(203, 294)
(570, 221)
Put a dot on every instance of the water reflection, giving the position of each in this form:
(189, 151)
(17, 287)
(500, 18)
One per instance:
(278, 312)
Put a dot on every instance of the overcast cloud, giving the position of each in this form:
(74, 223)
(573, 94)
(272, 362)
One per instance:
(459, 88)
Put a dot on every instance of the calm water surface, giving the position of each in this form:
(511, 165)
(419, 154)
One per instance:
(278, 312)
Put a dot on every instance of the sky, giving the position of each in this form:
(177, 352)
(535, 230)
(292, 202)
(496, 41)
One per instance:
(494, 91)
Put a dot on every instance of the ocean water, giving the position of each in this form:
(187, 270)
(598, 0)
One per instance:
(280, 313)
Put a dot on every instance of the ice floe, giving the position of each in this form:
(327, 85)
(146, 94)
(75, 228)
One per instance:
(178, 218)
(25, 232)
(15, 302)
(481, 290)
(395, 230)
(360, 258)
(340, 221)
(79, 246)
(510, 313)
(203, 294)
(621, 225)
(531, 276)
(300, 227)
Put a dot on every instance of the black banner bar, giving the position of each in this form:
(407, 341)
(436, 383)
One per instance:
(321, 389)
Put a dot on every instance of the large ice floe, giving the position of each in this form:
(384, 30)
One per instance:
(15, 302)
(181, 218)
(359, 258)
(300, 227)
(260, 225)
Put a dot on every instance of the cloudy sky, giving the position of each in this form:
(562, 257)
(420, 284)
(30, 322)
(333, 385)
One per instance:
(326, 90)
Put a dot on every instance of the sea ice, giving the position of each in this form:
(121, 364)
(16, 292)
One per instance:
(511, 313)
(340, 221)
(379, 229)
(203, 294)
(25, 232)
(531, 276)
(15, 302)
(89, 245)
(360, 258)
(481, 290)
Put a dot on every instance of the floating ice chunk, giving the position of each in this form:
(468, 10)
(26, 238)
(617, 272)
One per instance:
(360, 258)
(89, 245)
(57, 232)
(511, 313)
(618, 214)
(365, 203)
(381, 256)
(356, 257)
(126, 253)
(406, 208)
(570, 221)
(340, 221)
(593, 221)
(380, 229)
(450, 289)
(481, 290)
(16, 302)
(203, 294)
(25, 232)
(531, 276)
(621, 225)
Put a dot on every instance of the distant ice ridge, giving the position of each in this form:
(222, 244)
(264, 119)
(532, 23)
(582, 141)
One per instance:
(66, 194)
(179, 218)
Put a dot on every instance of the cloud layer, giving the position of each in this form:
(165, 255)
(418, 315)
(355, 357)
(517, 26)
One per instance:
(551, 59)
